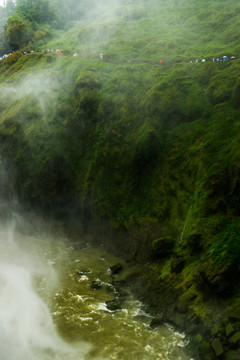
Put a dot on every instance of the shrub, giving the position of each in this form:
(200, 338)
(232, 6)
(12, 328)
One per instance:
(19, 31)
(41, 34)
(226, 245)
(12, 58)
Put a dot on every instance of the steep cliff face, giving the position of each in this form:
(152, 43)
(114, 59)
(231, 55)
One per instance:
(153, 151)
(150, 149)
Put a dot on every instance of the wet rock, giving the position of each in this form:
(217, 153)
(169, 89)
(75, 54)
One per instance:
(158, 320)
(96, 285)
(115, 269)
(229, 329)
(235, 339)
(217, 347)
(114, 305)
(162, 247)
(232, 355)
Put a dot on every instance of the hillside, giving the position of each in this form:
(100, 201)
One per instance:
(152, 150)
(153, 30)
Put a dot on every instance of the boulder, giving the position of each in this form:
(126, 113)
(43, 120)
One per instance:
(162, 247)
(114, 304)
(96, 285)
(115, 269)
(158, 320)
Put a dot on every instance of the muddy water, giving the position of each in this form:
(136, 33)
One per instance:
(54, 306)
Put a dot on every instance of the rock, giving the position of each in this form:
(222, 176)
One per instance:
(232, 355)
(114, 305)
(235, 338)
(229, 329)
(217, 347)
(115, 269)
(162, 247)
(96, 285)
(158, 320)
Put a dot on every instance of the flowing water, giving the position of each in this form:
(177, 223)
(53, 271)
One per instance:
(49, 309)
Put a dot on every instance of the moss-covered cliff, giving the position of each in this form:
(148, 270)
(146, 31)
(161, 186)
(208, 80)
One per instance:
(152, 149)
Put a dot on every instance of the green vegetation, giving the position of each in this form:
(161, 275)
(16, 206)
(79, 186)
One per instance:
(150, 148)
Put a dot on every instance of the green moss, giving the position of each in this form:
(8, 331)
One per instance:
(226, 245)
(134, 141)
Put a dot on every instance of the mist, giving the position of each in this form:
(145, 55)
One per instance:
(38, 90)
(28, 282)
(26, 325)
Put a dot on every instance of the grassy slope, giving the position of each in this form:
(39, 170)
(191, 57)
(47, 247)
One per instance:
(149, 144)
(154, 30)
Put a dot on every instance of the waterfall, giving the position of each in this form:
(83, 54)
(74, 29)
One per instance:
(185, 224)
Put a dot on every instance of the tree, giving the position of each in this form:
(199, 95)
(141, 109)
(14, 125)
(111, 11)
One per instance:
(4, 46)
(10, 7)
(19, 31)
(38, 11)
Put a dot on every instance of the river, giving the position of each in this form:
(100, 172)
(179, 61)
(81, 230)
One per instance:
(54, 304)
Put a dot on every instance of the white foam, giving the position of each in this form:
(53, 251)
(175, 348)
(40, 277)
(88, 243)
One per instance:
(27, 331)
